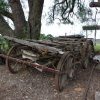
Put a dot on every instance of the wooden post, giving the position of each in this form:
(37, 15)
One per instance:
(95, 37)
(65, 34)
(86, 34)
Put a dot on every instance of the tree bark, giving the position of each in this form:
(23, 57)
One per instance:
(5, 28)
(19, 18)
(7, 14)
(35, 14)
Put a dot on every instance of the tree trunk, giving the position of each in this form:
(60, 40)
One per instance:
(19, 18)
(34, 20)
(5, 28)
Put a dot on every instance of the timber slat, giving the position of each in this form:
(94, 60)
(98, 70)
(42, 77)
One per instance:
(39, 47)
(91, 27)
(94, 4)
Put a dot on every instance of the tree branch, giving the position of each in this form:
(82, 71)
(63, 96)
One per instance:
(65, 8)
(73, 5)
(5, 29)
(30, 3)
(54, 7)
(7, 14)
(19, 18)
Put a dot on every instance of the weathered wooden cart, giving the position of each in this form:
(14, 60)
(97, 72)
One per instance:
(62, 56)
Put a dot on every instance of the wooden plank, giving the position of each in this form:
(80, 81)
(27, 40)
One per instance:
(37, 46)
(49, 43)
(66, 39)
(91, 27)
(68, 42)
(72, 36)
(94, 4)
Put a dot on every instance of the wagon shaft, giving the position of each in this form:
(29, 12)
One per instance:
(36, 65)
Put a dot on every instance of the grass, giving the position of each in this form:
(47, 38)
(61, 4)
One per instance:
(97, 48)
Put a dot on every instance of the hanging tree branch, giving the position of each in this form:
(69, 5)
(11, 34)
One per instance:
(73, 5)
(64, 10)
(54, 7)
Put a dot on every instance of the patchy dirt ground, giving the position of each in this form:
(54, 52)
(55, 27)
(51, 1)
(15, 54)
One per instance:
(33, 85)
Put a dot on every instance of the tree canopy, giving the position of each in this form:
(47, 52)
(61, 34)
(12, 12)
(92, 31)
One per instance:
(64, 10)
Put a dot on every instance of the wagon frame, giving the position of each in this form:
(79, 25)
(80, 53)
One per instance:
(50, 56)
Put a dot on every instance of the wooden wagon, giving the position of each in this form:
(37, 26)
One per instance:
(62, 56)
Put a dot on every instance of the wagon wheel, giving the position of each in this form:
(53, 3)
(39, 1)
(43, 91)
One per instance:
(66, 70)
(14, 67)
(88, 53)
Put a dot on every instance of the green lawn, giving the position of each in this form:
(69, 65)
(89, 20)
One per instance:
(97, 48)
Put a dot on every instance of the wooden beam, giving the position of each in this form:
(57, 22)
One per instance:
(91, 27)
(94, 4)
(72, 36)
(37, 46)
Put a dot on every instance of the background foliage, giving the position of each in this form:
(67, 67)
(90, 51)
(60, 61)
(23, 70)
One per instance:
(3, 5)
(46, 37)
(4, 45)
